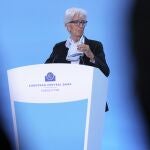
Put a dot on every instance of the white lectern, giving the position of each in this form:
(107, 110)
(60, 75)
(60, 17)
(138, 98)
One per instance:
(57, 106)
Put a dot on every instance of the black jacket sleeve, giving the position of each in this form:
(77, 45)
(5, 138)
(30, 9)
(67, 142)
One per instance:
(100, 61)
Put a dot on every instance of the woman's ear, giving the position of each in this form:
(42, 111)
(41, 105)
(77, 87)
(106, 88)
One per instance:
(68, 27)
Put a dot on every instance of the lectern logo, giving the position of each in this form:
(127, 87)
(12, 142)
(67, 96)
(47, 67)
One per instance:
(50, 77)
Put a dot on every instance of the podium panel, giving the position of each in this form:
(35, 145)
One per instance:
(57, 106)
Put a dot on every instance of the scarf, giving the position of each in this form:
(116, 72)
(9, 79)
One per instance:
(73, 53)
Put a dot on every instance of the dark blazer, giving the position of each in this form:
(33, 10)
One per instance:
(60, 51)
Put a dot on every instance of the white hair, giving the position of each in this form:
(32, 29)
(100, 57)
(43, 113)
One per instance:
(69, 14)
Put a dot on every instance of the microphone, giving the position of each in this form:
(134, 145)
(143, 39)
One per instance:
(53, 60)
(82, 60)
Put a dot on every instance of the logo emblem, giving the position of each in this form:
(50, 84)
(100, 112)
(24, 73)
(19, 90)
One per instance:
(50, 77)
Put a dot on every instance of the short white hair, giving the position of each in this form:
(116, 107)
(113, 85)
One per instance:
(69, 14)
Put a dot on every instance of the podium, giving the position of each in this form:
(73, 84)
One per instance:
(57, 106)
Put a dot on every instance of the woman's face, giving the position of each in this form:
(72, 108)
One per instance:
(76, 27)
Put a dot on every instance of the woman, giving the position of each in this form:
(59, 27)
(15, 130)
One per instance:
(77, 48)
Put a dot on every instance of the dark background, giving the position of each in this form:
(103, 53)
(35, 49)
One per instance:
(141, 52)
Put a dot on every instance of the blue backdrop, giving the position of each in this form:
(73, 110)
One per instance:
(29, 30)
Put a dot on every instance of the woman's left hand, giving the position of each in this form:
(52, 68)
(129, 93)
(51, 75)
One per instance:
(86, 50)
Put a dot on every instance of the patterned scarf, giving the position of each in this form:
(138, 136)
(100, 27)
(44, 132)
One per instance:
(73, 53)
